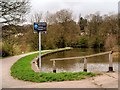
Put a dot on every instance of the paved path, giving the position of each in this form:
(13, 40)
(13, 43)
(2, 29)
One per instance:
(7, 79)
(0, 74)
(107, 80)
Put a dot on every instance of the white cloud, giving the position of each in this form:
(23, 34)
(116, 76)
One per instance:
(77, 6)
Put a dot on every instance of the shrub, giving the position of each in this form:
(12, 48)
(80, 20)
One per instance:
(110, 42)
(96, 42)
(5, 50)
(4, 53)
(83, 43)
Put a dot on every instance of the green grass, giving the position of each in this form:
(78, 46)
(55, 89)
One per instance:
(22, 71)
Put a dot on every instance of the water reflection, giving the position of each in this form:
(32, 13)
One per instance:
(99, 63)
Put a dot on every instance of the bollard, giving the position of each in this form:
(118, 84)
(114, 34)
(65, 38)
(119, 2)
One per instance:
(54, 67)
(85, 64)
(110, 62)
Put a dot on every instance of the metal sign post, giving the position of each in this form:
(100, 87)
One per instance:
(40, 27)
(40, 50)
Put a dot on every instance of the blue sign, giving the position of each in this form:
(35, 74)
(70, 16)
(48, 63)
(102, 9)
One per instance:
(35, 26)
(40, 26)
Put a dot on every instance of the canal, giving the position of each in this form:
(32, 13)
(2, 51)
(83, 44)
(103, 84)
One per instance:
(95, 64)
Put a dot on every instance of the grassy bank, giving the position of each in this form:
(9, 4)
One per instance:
(22, 71)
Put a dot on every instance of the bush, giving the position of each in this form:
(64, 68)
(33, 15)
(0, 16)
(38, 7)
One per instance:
(5, 50)
(83, 43)
(96, 42)
(110, 42)
(4, 53)
(61, 43)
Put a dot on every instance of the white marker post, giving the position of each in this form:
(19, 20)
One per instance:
(40, 51)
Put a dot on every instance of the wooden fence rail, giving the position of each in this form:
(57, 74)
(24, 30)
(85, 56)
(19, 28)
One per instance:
(85, 60)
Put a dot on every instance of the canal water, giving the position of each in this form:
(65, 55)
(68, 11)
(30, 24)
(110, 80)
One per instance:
(95, 64)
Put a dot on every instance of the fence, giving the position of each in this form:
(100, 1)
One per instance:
(85, 60)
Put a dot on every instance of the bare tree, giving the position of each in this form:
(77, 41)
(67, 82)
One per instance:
(61, 16)
(13, 11)
(51, 18)
(36, 17)
(64, 15)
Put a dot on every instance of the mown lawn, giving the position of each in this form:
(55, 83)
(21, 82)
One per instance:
(22, 71)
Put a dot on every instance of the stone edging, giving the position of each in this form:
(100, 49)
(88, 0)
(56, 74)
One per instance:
(34, 62)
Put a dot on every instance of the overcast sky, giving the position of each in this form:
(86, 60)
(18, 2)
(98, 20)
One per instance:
(84, 7)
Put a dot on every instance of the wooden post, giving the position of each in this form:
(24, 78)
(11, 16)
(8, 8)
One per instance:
(54, 67)
(85, 64)
(110, 62)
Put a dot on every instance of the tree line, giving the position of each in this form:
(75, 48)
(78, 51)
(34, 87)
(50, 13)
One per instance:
(92, 31)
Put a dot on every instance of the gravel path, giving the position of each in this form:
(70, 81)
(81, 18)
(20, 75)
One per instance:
(107, 80)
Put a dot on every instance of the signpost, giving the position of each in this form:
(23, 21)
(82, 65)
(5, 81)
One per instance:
(40, 27)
